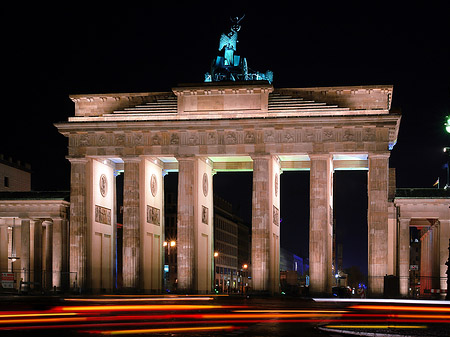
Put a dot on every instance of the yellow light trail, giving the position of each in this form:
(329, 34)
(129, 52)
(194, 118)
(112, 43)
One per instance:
(265, 315)
(165, 330)
(145, 299)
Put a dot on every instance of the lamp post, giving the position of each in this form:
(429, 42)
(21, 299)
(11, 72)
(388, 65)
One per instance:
(244, 287)
(216, 255)
(169, 245)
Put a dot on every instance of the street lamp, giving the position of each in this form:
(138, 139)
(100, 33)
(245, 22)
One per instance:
(447, 124)
(216, 255)
(244, 287)
(169, 245)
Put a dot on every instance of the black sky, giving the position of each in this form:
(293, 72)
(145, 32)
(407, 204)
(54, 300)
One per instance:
(52, 52)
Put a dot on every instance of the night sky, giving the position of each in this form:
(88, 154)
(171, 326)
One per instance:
(52, 52)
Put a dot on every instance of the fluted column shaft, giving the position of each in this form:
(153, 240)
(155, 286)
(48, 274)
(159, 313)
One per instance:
(185, 224)
(403, 256)
(378, 177)
(320, 227)
(131, 224)
(78, 233)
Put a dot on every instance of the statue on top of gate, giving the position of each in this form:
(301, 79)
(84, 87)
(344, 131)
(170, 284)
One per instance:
(231, 67)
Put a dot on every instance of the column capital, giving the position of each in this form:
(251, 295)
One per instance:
(379, 155)
(260, 155)
(320, 156)
(131, 159)
(180, 157)
(77, 160)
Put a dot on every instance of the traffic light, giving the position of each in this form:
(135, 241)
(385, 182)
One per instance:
(447, 124)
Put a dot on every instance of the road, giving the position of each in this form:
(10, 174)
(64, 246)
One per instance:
(219, 316)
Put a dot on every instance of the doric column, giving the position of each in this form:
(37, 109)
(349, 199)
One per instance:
(378, 177)
(265, 223)
(321, 223)
(403, 256)
(444, 236)
(48, 255)
(131, 223)
(185, 224)
(78, 223)
(37, 258)
(57, 252)
(25, 249)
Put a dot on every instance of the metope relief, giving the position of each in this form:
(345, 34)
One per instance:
(205, 215)
(153, 215)
(276, 216)
(102, 215)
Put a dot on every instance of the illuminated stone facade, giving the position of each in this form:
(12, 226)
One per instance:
(199, 129)
(429, 211)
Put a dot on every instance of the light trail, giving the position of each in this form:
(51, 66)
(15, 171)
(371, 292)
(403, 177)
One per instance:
(380, 300)
(37, 314)
(291, 311)
(165, 330)
(376, 326)
(139, 307)
(146, 299)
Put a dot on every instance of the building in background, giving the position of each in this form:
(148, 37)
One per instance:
(34, 241)
(14, 175)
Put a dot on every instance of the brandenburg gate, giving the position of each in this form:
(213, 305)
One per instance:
(201, 129)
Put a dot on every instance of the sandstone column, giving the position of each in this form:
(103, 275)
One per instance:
(185, 224)
(444, 236)
(265, 224)
(403, 256)
(57, 252)
(78, 231)
(378, 177)
(37, 258)
(48, 255)
(321, 223)
(25, 249)
(131, 224)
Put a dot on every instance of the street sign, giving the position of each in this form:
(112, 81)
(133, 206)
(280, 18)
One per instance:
(8, 280)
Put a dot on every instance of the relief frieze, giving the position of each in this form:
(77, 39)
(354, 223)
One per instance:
(369, 135)
(102, 215)
(349, 135)
(249, 137)
(192, 139)
(153, 215)
(174, 139)
(230, 138)
(156, 139)
(119, 139)
(84, 140)
(211, 138)
(269, 136)
(328, 135)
